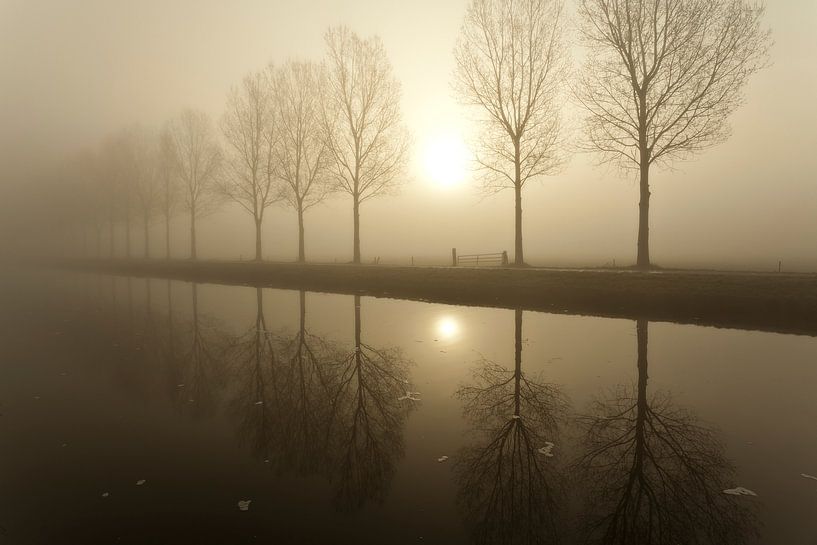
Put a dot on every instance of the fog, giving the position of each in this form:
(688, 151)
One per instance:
(75, 72)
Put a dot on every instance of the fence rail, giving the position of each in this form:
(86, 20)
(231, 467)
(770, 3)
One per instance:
(476, 260)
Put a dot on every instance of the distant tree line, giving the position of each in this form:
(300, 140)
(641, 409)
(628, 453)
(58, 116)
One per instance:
(290, 135)
(659, 81)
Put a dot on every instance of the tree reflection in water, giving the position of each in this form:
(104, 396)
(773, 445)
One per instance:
(507, 487)
(256, 396)
(654, 474)
(307, 375)
(367, 419)
(202, 366)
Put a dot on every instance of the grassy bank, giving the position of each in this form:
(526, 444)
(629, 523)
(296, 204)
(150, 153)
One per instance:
(770, 302)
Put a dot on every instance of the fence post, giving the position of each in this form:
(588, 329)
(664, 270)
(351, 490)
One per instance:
(504, 257)
(454, 257)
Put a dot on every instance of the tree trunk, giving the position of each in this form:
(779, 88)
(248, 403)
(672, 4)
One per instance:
(517, 360)
(357, 323)
(640, 451)
(193, 233)
(167, 234)
(147, 236)
(258, 239)
(127, 234)
(302, 300)
(301, 250)
(356, 212)
(112, 241)
(519, 257)
(643, 259)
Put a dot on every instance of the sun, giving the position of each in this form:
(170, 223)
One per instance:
(445, 159)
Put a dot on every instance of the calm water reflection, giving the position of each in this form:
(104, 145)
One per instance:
(381, 421)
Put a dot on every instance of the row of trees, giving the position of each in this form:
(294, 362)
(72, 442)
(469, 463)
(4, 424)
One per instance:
(659, 82)
(660, 79)
(290, 134)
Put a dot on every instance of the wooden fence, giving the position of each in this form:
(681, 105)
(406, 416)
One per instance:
(499, 259)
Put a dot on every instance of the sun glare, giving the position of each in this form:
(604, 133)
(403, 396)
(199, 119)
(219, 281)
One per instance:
(446, 159)
(447, 327)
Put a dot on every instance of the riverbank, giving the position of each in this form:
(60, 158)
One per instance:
(784, 303)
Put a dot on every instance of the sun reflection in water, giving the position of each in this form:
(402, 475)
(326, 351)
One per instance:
(447, 328)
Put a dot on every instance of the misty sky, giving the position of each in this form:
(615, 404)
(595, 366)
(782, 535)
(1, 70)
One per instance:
(73, 71)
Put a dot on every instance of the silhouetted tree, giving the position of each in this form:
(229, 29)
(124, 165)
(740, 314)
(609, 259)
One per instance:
(145, 174)
(249, 129)
(257, 401)
(169, 180)
(302, 158)
(118, 160)
(203, 365)
(367, 419)
(198, 160)
(507, 484)
(308, 377)
(661, 78)
(511, 63)
(365, 138)
(653, 474)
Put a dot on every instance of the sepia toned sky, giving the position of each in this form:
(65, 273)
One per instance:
(73, 71)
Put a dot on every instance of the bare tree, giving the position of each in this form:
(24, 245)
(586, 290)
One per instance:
(117, 161)
(169, 177)
(248, 128)
(301, 154)
(145, 178)
(509, 487)
(198, 159)
(365, 137)
(370, 404)
(662, 77)
(653, 473)
(511, 63)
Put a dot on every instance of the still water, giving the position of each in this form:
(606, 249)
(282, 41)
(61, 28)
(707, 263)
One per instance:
(144, 411)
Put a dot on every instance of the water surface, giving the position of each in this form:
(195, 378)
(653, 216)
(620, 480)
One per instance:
(351, 419)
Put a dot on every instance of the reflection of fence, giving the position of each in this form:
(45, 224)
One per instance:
(476, 260)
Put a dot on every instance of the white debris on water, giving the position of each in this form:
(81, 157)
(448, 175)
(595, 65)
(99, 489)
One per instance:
(442, 459)
(807, 476)
(180, 385)
(411, 396)
(105, 494)
(739, 491)
(547, 450)
(259, 402)
(140, 482)
(244, 505)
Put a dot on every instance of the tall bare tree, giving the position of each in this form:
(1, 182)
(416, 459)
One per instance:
(365, 137)
(169, 181)
(302, 158)
(662, 77)
(511, 63)
(198, 159)
(117, 165)
(248, 128)
(144, 173)
(653, 473)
